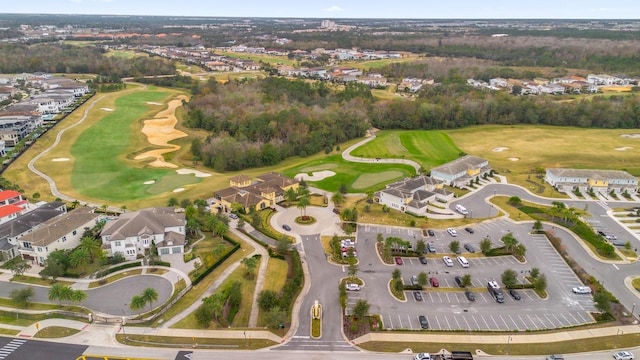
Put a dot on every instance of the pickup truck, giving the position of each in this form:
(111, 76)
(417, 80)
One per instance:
(455, 355)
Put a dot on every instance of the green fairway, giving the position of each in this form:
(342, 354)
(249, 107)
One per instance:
(101, 169)
(359, 177)
(428, 148)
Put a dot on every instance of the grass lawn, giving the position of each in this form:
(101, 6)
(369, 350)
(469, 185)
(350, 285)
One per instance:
(54, 332)
(115, 277)
(241, 319)
(9, 332)
(182, 342)
(37, 281)
(428, 148)
(636, 284)
(269, 59)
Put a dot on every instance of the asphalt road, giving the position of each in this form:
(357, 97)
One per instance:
(21, 349)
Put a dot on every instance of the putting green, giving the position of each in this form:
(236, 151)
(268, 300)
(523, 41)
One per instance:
(101, 168)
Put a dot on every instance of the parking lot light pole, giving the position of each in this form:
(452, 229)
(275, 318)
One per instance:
(633, 309)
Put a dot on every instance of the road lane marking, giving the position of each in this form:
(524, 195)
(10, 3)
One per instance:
(615, 266)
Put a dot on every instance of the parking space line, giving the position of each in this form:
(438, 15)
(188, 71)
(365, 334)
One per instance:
(524, 323)
(505, 323)
(494, 321)
(430, 296)
(447, 320)
(391, 323)
(553, 325)
(400, 321)
(410, 322)
(476, 321)
(485, 321)
(561, 321)
(533, 322)
(438, 321)
(466, 322)
(458, 323)
(514, 323)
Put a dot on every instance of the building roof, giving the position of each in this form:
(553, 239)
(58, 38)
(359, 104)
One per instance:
(459, 165)
(8, 194)
(592, 174)
(30, 220)
(9, 209)
(57, 227)
(240, 178)
(147, 221)
(277, 179)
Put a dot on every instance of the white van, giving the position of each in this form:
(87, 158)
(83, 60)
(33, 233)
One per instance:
(452, 232)
(463, 261)
(461, 209)
(447, 261)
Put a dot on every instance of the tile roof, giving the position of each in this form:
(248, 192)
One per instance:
(459, 165)
(57, 227)
(146, 221)
(8, 194)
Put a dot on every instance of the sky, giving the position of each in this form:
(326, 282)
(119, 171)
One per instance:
(425, 9)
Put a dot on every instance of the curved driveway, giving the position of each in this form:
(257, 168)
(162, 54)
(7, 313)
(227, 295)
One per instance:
(111, 299)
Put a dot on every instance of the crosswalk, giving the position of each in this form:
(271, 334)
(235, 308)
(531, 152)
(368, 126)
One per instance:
(10, 347)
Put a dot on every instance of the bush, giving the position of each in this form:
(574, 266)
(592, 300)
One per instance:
(294, 282)
(208, 270)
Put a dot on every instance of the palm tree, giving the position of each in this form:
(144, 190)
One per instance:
(60, 293)
(149, 295)
(220, 228)
(91, 246)
(137, 303)
(78, 296)
(337, 199)
(80, 258)
(290, 195)
(123, 208)
(303, 202)
(75, 203)
(509, 242)
(104, 208)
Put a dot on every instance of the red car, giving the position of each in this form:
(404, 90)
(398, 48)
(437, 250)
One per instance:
(434, 282)
(398, 260)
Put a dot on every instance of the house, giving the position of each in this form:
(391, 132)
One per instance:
(218, 66)
(499, 82)
(132, 232)
(59, 233)
(603, 181)
(25, 223)
(265, 192)
(459, 172)
(603, 79)
(413, 195)
(373, 80)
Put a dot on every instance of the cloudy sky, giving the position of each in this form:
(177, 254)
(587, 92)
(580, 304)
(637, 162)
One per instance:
(427, 9)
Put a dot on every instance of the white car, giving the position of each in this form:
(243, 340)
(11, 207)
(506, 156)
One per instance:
(452, 232)
(623, 355)
(581, 290)
(447, 261)
(352, 287)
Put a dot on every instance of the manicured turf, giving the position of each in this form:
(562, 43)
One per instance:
(429, 148)
(365, 181)
(347, 173)
(100, 169)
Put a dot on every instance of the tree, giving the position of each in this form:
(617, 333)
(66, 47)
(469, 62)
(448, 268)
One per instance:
(537, 226)
(466, 280)
(283, 245)
(509, 242)
(60, 293)
(91, 246)
(396, 274)
(352, 270)
(337, 198)
(515, 201)
(454, 246)
(203, 315)
(267, 299)
(78, 296)
(240, 224)
(379, 238)
(485, 245)
(370, 197)
(423, 279)
(172, 202)
(21, 296)
(79, 259)
(123, 208)
(519, 250)
(275, 318)
(290, 195)
(303, 202)
(256, 220)
(361, 309)
(137, 303)
(250, 265)
(19, 266)
(398, 285)
(509, 278)
(535, 272)
(52, 269)
(421, 246)
(601, 301)
(149, 295)
(540, 283)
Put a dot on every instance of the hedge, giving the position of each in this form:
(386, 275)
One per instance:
(208, 271)
(108, 271)
(294, 284)
(270, 250)
(160, 263)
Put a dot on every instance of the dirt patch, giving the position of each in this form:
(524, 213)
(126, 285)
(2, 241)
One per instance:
(630, 136)
(160, 130)
(107, 109)
(499, 149)
(60, 159)
(513, 159)
(197, 173)
(178, 190)
(315, 176)
(623, 148)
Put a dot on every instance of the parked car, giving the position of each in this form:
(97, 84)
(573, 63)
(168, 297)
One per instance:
(470, 248)
(286, 227)
(555, 357)
(423, 260)
(458, 280)
(398, 260)
(434, 282)
(417, 295)
(431, 247)
(233, 216)
(470, 295)
(515, 295)
(431, 232)
(452, 232)
(581, 290)
(447, 261)
(414, 280)
(469, 230)
(352, 287)
(423, 322)
(602, 233)
(623, 355)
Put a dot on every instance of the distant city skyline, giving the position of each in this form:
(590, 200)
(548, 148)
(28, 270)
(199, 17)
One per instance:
(335, 9)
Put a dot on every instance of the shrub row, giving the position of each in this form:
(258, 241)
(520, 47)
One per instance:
(103, 273)
(585, 232)
(160, 263)
(270, 250)
(208, 270)
(294, 283)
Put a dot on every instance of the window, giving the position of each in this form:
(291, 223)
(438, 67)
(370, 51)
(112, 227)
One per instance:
(39, 249)
(74, 232)
(118, 243)
(164, 251)
(64, 238)
(26, 245)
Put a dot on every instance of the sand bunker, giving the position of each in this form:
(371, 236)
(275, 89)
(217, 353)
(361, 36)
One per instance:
(630, 136)
(149, 182)
(178, 190)
(107, 109)
(60, 159)
(160, 130)
(194, 172)
(315, 176)
(623, 148)
(153, 103)
(499, 149)
(513, 159)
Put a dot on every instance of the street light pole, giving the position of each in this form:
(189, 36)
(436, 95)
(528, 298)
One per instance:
(633, 308)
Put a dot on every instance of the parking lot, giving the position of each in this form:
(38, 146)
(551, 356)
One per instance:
(447, 308)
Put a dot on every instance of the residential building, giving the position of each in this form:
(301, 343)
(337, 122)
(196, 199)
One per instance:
(603, 181)
(413, 195)
(59, 233)
(265, 192)
(459, 172)
(132, 232)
